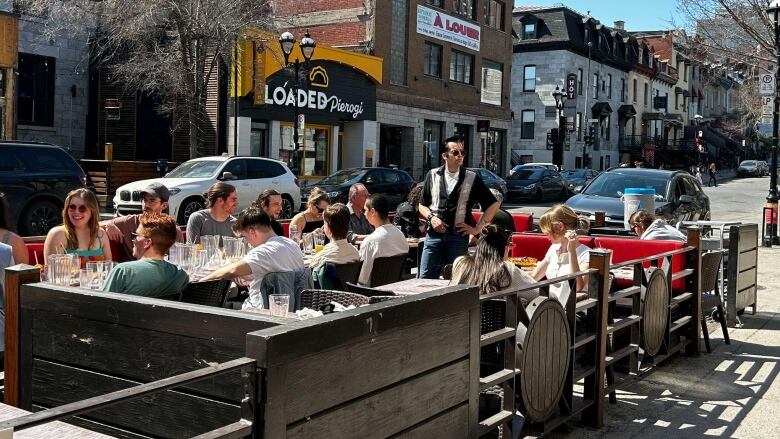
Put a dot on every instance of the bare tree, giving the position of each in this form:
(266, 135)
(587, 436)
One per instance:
(167, 47)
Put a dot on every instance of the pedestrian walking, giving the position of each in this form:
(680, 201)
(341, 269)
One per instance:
(713, 170)
(449, 194)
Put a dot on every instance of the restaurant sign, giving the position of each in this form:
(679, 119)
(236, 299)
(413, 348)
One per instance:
(435, 24)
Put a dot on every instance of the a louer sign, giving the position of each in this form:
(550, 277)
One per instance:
(445, 27)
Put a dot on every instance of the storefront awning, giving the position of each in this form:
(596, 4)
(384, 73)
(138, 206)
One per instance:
(626, 111)
(601, 109)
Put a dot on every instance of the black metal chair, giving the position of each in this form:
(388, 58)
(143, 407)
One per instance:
(348, 272)
(314, 299)
(367, 291)
(492, 318)
(390, 270)
(377, 299)
(209, 293)
(710, 297)
(174, 297)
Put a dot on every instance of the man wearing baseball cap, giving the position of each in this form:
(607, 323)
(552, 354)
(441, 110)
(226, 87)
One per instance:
(154, 199)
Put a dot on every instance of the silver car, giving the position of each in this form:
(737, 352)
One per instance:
(749, 168)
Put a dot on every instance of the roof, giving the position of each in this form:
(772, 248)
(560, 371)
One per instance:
(645, 171)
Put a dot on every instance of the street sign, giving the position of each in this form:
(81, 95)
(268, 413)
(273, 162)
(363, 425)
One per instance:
(571, 86)
(767, 105)
(593, 121)
(766, 84)
(766, 120)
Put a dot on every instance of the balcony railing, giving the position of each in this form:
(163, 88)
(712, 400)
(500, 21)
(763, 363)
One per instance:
(631, 142)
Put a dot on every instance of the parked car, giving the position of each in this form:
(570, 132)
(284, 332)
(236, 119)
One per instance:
(538, 184)
(36, 178)
(578, 178)
(749, 168)
(187, 183)
(679, 197)
(493, 181)
(392, 183)
(549, 166)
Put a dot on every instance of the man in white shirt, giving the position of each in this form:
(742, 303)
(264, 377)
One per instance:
(386, 240)
(270, 254)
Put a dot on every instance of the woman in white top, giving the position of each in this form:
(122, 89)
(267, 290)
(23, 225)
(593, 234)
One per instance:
(566, 255)
(489, 269)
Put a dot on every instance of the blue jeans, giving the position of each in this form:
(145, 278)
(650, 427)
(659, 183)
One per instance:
(441, 249)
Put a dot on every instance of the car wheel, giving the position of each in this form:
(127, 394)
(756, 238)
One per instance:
(39, 217)
(288, 208)
(539, 196)
(188, 207)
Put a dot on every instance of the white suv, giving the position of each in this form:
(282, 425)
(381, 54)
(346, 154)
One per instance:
(187, 183)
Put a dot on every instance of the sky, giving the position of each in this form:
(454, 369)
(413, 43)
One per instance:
(638, 14)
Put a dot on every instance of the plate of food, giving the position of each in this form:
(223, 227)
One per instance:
(524, 262)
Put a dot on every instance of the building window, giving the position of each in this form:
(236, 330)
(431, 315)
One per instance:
(529, 78)
(494, 14)
(595, 86)
(622, 89)
(527, 124)
(609, 86)
(608, 122)
(35, 95)
(434, 2)
(312, 159)
(432, 135)
(646, 95)
(634, 95)
(492, 82)
(398, 42)
(461, 66)
(579, 82)
(529, 31)
(578, 125)
(432, 60)
(465, 8)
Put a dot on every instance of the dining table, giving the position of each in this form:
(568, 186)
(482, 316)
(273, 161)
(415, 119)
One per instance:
(414, 286)
(51, 430)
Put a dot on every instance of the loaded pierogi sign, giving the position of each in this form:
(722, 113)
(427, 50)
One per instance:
(435, 24)
(329, 93)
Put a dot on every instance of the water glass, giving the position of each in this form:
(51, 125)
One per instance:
(308, 243)
(59, 269)
(186, 257)
(200, 259)
(85, 278)
(95, 269)
(279, 303)
(231, 248)
(294, 235)
(319, 242)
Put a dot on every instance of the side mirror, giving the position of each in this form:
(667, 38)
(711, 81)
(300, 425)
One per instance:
(227, 176)
(686, 199)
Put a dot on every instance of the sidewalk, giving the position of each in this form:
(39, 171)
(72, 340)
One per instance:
(732, 392)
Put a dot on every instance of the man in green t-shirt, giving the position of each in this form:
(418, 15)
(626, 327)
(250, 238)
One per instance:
(150, 275)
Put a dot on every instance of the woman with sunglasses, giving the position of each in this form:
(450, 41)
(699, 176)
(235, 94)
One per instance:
(566, 255)
(80, 232)
(311, 219)
(648, 226)
(489, 268)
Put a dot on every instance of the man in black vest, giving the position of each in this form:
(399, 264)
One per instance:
(449, 194)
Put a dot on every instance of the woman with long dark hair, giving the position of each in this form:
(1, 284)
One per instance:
(9, 237)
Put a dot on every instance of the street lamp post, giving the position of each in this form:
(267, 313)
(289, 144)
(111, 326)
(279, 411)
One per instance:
(560, 98)
(771, 198)
(287, 42)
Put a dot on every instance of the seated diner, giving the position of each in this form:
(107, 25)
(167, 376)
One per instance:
(338, 250)
(385, 240)
(217, 219)
(648, 226)
(21, 256)
(80, 232)
(310, 219)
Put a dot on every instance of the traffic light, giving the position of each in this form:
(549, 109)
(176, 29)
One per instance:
(590, 136)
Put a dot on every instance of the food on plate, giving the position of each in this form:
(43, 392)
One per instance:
(524, 261)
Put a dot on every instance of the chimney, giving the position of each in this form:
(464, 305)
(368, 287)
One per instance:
(620, 25)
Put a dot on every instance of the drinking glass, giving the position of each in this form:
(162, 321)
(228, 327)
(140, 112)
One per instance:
(319, 242)
(308, 243)
(231, 248)
(200, 259)
(173, 253)
(107, 267)
(58, 269)
(186, 258)
(279, 303)
(95, 269)
(85, 278)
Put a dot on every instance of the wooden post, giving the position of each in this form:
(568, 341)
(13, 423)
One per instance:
(600, 260)
(15, 277)
(693, 260)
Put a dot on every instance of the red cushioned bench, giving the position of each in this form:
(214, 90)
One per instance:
(626, 249)
(536, 245)
(524, 222)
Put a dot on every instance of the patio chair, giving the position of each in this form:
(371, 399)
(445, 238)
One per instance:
(390, 270)
(347, 272)
(377, 299)
(492, 318)
(314, 299)
(367, 291)
(710, 296)
(209, 293)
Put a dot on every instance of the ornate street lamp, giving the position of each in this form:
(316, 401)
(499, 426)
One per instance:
(307, 45)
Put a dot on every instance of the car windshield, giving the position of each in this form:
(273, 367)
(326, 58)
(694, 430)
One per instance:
(748, 163)
(195, 169)
(343, 176)
(576, 173)
(527, 174)
(613, 184)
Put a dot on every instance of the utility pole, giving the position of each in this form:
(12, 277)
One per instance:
(772, 197)
(587, 114)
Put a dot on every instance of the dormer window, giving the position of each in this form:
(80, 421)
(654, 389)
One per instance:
(529, 31)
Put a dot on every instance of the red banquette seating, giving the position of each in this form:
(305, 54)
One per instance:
(524, 222)
(35, 249)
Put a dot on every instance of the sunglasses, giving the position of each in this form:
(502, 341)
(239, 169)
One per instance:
(319, 209)
(82, 208)
(458, 153)
(137, 235)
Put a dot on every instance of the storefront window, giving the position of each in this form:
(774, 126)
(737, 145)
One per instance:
(312, 159)
(432, 138)
(493, 152)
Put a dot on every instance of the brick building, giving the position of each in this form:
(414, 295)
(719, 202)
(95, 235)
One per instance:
(446, 66)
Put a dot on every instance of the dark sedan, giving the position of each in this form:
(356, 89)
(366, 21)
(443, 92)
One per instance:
(579, 178)
(537, 184)
(679, 197)
(491, 180)
(392, 183)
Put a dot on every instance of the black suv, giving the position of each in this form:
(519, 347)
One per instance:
(36, 178)
(392, 183)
